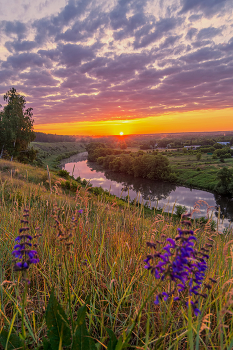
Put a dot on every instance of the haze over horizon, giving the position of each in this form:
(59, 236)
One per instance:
(131, 66)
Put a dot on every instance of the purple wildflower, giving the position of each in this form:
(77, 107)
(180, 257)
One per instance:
(22, 249)
(183, 264)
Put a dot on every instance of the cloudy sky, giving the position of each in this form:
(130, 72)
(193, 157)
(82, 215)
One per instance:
(136, 66)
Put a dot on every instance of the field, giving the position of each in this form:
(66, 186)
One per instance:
(200, 174)
(51, 153)
(91, 253)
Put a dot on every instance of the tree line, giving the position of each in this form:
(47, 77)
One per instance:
(152, 166)
(42, 137)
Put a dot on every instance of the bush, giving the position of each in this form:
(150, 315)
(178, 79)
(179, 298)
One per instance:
(73, 186)
(63, 173)
(180, 210)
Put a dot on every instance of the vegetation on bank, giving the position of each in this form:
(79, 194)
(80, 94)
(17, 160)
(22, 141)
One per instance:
(192, 168)
(91, 277)
(152, 166)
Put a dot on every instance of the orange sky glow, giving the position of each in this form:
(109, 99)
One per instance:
(195, 121)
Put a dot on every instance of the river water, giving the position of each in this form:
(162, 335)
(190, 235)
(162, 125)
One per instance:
(155, 193)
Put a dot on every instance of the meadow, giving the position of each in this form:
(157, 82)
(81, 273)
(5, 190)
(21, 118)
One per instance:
(90, 288)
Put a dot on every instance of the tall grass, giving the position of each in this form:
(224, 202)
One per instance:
(103, 268)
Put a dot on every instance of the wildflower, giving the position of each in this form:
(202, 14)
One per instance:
(183, 264)
(22, 249)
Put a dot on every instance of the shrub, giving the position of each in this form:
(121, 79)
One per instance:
(180, 210)
(64, 173)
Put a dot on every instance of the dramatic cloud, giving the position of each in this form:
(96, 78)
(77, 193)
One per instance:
(100, 60)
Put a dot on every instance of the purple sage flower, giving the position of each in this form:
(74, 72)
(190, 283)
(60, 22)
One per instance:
(183, 264)
(22, 249)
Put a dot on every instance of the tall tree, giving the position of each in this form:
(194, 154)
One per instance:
(16, 124)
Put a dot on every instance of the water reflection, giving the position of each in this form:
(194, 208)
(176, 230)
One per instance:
(155, 193)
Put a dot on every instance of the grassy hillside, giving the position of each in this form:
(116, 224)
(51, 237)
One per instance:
(51, 153)
(91, 252)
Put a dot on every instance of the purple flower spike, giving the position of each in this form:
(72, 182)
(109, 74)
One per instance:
(192, 238)
(22, 229)
(185, 266)
(196, 311)
(22, 249)
(80, 211)
(172, 242)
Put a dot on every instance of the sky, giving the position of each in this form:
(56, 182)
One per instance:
(133, 66)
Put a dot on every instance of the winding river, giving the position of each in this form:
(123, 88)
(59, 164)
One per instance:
(155, 193)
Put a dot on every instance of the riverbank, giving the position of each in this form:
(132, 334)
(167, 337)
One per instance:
(52, 153)
(182, 167)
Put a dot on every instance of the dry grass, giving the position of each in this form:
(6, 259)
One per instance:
(105, 262)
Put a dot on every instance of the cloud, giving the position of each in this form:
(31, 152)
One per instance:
(25, 45)
(96, 60)
(162, 27)
(208, 33)
(53, 26)
(24, 60)
(203, 54)
(82, 30)
(208, 7)
(14, 28)
(191, 33)
(72, 55)
(38, 78)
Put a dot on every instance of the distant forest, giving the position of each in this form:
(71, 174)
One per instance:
(42, 137)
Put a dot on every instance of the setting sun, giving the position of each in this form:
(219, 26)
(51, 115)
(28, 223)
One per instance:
(121, 133)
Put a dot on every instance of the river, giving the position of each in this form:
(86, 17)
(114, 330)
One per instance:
(155, 193)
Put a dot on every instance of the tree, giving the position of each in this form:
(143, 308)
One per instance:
(225, 177)
(16, 124)
(198, 156)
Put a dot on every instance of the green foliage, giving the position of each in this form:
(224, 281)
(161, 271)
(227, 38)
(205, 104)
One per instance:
(112, 341)
(63, 173)
(27, 156)
(10, 341)
(57, 323)
(225, 184)
(82, 339)
(198, 156)
(180, 210)
(203, 221)
(152, 166)
(16, 124)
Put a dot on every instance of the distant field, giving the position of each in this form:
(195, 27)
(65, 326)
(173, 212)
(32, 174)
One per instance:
(191, 172)
(51, 153)
(202, 173)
